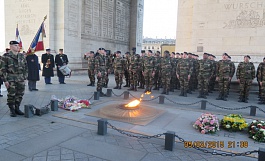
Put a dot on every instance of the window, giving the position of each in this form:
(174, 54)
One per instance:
(153, 47)
(148, 47)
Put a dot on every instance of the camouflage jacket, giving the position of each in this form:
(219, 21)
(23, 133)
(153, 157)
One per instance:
(224, 68)
(13, 67)
(100, 63)
(149, 63)
(261, 72)
(134, 63)
(119, 64)
(205, 68)
(166, 64)
(245, 71)
(184, 67)
(90, 62)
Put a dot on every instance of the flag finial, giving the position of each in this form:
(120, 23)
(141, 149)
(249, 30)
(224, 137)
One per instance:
(45, 18)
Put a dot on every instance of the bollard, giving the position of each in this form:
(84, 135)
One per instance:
(203, 104)
(169, 140)
(126, 95)
(96, 95)
(253, 110)
(109, 92)
(161, 99)
(54, 105)
(102, 126)
(261, 156)
(28, 110)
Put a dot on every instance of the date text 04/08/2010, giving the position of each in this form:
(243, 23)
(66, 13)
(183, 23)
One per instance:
(216, 144)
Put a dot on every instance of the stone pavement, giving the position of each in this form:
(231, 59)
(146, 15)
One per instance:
(64, 135)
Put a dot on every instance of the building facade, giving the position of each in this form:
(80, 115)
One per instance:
(155, 44)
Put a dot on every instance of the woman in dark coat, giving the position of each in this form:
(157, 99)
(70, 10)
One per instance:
(33, 71)
(48, 64)
(61, 60)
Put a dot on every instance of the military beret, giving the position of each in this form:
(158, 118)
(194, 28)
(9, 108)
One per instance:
(247, 56)
(60, 49)
(229, 57)
(225, 54)
(127, 52)
(158, 52)
(13, 42)
(177, 54)
(142, 51)
(150, 51)
(185, 53)
(214, 56)
(118, 52)
(134, 48)
(48, 49)
(197, 55)
(205, 54)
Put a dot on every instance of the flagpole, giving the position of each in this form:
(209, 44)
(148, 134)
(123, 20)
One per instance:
(45, 17)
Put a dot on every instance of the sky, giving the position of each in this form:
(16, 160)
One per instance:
(160, 20)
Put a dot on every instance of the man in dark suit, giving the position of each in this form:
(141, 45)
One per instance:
(48, 64)
(61, 60)
(33, 71)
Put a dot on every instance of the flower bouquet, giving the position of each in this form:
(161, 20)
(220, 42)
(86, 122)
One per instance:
(256, 130)
(234, 122)
(73, 104)
(207, 123)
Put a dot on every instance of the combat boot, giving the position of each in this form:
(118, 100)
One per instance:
(93, 84)
(219, 97)
(181, 92)
(240, 99)
(117, 87)
(17, 110)
(204, 95)
(200, 94)
(126, 85)
(185, 93)
(90, 84)
(12, 110)
(246, 100)
(120, 86)
(146, 90)
(156, 87)
(101, 94)
(225, 97)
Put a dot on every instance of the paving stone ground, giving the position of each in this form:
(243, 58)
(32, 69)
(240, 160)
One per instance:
(73, 136)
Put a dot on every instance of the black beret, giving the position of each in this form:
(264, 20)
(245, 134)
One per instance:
(205, 54)
(118, 52)
(229, 57)
(225, 54)
(185, 53)
(177, 53)
(13, 42)
(214, 56)
(134, 48)
(60, 49)
(127, 52)
(247, 56)
(48, 49)
(150, 51)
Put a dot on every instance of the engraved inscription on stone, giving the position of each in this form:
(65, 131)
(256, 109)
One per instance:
(140, 23)
(243, 5)
(246, 19)
(25, 17)
(73, 10)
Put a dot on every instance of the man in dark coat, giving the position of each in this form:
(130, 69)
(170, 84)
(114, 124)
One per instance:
(48, 64)
(33, 71)
(61, 60)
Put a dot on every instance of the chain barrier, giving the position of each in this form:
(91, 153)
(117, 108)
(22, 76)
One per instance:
(227, 108)
(135, 136)
(213, 152)
(151, 99)
(117, 94)
(133, 96)
(261, 109)
(91, 97)
(187, 104)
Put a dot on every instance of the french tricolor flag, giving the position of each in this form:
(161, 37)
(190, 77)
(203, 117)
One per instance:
(37, 43)
(18, 39)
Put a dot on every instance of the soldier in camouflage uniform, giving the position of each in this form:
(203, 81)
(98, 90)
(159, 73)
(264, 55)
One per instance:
(196, 72)
(126, 70)
(178, 59)
(183, 73)
(141, 79)
(261, 80)
(166, 72)
(100, 70)
(192, 75)
(205, 70)
(224, 74)
(245, 74)
(118, 66)
(107, 60)
(133, 68)
(233, 72)
(91, 67)
(149, 68)
(173, 80)
(13, 72)
(213, 78)
(157, 76)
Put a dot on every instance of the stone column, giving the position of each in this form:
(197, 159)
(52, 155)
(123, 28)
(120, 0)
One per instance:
(136, 29)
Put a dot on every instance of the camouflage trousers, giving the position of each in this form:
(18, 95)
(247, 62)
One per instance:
(91, 75)
(212, 83)
(148, 78)
(223, 84)
(133, 77)
(15, 92)
(184, 82)
(244, 87)
(141, 79)
(106, 78)
(203, 83)
(173, 80)
(118, 76)
(263, 89)
(101, 80)
(165, 78)
(156, 79)
(192, 82)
